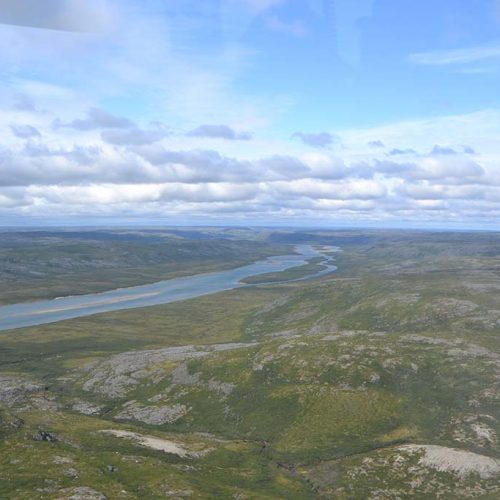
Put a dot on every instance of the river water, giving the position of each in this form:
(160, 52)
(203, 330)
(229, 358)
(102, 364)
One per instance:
(162, 292)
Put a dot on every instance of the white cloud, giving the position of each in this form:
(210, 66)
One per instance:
(105, 194)
(219, 132)
(133, 137)
(96, 119)
(64, 171)
(456, 56)
(25, 131)
(324, 166)
(479, 130)
(317, 140)
(461, 169)
(344, 190)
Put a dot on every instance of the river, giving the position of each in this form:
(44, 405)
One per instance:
(162, 292)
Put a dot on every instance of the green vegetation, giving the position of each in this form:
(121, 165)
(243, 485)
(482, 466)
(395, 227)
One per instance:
(379, 380)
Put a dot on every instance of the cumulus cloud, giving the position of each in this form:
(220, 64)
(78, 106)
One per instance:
(145, 193)
(219, 132)
(24, 103)
(44, 166)
(317, 140)
(426, 191)
(325, 166)
(393, 168)
(82, 155)
(133, 137)
(447, 150)
(468, 150)
(198, 165)
(458, 169)
(376, 144)
(97, 119)
(25, 131)
(442, 150)
(398, 152)
(38, 163)
(345, 190)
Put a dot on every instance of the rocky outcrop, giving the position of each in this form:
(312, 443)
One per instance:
(16, 390)
(152, 415)
(86, 408)
(115, 376)
(81, 493)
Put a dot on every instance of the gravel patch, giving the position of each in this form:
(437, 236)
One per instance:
(152, 442)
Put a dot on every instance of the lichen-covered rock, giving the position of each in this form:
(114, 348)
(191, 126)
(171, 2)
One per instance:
(152, 415)
(117, 375)
(221, 388)
(86, 408)
(81, 493)
(16, 390)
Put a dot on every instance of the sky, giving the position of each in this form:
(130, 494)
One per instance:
(253, 112)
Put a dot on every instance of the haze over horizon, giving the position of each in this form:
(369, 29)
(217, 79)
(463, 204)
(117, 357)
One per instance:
(374, 113)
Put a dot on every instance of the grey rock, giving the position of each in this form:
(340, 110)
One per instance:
(120, 373)
(16, 390)
(72, 473)
(81, 493)
(43, 402)
(152, 415)
(86, 408)
(42, 435)
(221, 388)
(181, 376)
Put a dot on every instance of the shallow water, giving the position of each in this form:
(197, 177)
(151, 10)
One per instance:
(162, 292)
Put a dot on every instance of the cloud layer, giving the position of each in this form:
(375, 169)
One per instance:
(104, 164)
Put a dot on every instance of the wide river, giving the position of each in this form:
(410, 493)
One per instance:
(162, 292)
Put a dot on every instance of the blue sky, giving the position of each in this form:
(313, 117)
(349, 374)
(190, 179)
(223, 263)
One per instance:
(376, 112)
